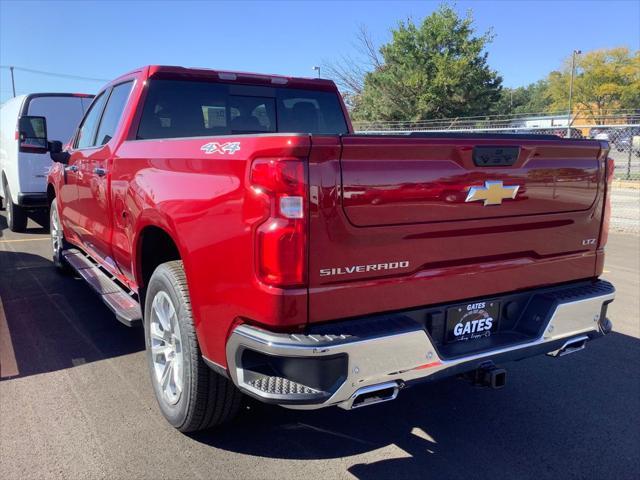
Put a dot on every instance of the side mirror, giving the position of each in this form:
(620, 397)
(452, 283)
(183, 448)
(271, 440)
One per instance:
(56, 153)
(32, 134)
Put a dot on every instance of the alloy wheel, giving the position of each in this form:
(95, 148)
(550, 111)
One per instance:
(56, 235)
(166, 347)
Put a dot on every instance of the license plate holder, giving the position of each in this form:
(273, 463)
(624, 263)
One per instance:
(472, 321)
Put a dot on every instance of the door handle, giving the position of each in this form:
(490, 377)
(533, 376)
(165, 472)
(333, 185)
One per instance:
(71, 168)
(101, 172)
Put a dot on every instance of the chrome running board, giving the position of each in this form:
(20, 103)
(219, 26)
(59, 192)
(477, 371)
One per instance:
(119, 300)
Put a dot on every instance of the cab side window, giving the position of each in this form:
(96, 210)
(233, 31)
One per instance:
(87, 133)
(113, 112)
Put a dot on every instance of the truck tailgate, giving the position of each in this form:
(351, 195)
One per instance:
(400, 221)
(392, 181)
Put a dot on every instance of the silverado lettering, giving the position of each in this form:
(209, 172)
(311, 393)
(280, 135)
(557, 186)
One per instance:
(324, 272)
(210, 206)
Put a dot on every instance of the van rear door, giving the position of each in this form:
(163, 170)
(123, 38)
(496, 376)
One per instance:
(63, 113)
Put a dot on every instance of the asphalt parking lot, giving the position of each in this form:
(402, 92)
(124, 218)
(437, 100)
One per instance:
(76, 402)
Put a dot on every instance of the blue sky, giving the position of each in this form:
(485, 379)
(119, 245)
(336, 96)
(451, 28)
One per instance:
(104, 39)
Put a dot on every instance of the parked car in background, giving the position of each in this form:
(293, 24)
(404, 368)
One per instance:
(635, 144)
(562, 132)
(599, 133)
(623, 141)
(24, 159)
(268, 250)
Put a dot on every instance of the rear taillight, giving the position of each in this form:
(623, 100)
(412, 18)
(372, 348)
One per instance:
(609, 170)
(281, 240)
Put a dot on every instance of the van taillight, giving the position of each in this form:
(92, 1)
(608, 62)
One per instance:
(281, 240)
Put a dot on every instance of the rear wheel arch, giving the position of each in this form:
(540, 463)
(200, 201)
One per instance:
(155, 246)
(51, 193)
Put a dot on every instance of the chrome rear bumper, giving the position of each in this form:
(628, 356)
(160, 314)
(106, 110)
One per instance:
(395, 357)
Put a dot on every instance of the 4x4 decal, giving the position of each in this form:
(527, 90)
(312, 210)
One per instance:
(222, 148)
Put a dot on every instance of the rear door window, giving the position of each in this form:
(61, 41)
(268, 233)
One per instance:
(86, 135)
(113, 112)
(179, 108)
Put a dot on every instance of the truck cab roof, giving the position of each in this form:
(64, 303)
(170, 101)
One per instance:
(171, 71)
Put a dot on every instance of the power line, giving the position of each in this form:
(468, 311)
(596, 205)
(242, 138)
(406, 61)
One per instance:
(54, 74)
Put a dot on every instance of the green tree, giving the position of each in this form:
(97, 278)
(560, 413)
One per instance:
(605, 80)
(534, 98)
(437, 69)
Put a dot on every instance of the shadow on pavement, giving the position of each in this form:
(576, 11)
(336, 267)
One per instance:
(575, 417)
(55, 321)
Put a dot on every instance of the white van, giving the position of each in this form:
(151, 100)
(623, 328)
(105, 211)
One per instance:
(24, 159)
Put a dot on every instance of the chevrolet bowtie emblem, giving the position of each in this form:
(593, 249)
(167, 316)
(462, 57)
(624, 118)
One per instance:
(492, 193)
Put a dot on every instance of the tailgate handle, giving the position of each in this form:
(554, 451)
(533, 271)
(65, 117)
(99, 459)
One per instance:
(495, 156)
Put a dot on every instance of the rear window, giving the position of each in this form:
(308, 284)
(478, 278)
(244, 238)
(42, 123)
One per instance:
(63, 114)
(179, 108)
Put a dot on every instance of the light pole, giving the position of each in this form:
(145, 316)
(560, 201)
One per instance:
(318, 70)
(13, 83)
(573, 72)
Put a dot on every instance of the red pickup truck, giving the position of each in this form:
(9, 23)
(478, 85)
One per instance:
(268, 250)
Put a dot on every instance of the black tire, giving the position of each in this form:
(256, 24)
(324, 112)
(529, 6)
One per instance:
(207, 398)
(16, 215)
(59, 244)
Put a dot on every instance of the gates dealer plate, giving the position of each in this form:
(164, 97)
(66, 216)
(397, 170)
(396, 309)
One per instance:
(472, 321)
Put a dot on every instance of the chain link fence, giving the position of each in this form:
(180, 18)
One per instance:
(620, 129)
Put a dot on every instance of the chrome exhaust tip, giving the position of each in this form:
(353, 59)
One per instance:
(383, 392)
(571, 346)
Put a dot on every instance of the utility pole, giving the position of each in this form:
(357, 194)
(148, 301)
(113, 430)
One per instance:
(318, 69)
(13, 83)
(573, 72)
